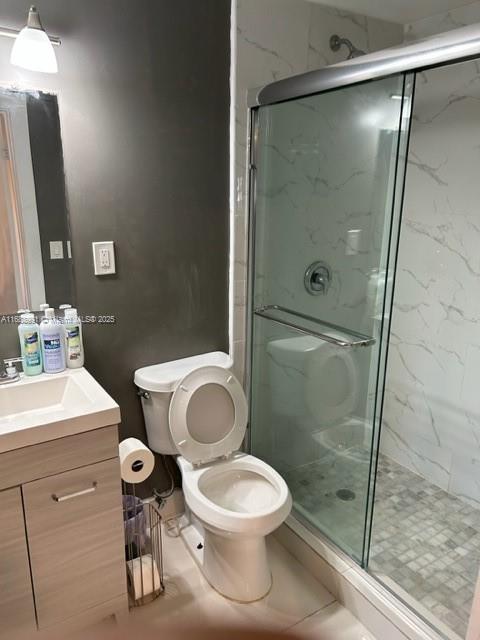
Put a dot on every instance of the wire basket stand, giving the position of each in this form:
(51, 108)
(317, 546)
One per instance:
(143, 547)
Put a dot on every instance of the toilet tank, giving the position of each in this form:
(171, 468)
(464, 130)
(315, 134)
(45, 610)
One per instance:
(287, 373)
(160, 381)
(312, 383)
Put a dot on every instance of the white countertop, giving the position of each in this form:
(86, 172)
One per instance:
(49, 406)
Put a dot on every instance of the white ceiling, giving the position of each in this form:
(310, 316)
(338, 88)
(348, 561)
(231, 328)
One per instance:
(402, 11)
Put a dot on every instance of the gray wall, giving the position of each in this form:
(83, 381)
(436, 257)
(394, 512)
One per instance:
(144, 101)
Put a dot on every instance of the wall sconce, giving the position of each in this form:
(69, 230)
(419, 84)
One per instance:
(33, 48)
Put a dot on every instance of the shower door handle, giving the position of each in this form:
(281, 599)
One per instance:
(354, 339)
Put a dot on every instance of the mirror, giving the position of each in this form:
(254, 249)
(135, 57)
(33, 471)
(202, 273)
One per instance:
(35, 244)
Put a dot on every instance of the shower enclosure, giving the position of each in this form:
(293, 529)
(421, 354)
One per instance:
(335, 398)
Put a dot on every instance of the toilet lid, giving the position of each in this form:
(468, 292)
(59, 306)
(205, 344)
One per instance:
(331, 384)
(208, 414)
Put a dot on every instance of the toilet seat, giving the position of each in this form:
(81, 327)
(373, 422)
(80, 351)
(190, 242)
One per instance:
(208, 414)
(262, 514)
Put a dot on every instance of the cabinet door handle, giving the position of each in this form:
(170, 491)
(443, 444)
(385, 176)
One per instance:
(77, 494)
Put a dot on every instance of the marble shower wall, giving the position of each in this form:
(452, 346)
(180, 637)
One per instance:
(441, 22)
(432, 407)
(277, 39)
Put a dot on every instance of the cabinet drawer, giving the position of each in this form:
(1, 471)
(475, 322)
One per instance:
(41, 460)
(17, 612)
(75, 535)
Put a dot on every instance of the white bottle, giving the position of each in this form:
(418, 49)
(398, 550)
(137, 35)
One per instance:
(73, 339)
(52, 338)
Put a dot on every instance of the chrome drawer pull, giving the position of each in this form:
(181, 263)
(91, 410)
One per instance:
(69, 496)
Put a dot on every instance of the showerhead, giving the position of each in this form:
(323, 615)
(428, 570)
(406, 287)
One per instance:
(336, 42)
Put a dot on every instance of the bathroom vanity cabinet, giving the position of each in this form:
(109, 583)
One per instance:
(16, 598)
(61, 540)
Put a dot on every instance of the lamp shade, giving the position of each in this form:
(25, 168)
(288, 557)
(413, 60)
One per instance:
(32, 48)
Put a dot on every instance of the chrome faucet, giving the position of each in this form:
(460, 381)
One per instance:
(10, 374)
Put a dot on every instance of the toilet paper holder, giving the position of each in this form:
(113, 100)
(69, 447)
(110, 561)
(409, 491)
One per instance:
(143, 547)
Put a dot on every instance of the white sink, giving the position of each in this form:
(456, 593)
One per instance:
(45, 407)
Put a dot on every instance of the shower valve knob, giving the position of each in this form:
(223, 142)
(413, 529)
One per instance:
(317, 279)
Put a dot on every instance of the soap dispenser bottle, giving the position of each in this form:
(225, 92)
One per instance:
(29, 334)
(52, 338)
(73, 339)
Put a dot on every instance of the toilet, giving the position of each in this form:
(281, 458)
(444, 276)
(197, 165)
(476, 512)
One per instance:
(196, 409)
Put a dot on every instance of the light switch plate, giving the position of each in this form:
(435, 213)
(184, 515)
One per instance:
(103, 258)
(56, 249)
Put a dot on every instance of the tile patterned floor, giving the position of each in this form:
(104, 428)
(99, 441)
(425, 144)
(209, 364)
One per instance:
(424, 540)
(297, 602)
(428, 542)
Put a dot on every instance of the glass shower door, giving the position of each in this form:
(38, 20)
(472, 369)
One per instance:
(327, 187)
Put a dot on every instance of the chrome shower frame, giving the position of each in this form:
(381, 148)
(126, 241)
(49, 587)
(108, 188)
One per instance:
(454, 46)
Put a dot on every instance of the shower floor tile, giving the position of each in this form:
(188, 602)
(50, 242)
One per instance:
(424, 540)
(427, 541)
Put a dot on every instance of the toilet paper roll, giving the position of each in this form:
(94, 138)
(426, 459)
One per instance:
(143, 576)
(136, 460)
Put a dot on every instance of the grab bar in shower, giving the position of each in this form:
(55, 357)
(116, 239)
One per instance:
(359, 340)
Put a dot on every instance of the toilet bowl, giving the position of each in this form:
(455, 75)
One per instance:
(196, 408)
(238, 502)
